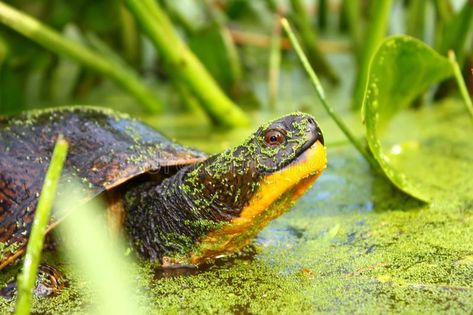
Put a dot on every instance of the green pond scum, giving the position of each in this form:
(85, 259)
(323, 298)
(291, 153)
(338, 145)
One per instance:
(352, 244)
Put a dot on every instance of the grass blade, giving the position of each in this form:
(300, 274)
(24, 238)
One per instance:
(27, 278)
(320, 93)
(461, 83)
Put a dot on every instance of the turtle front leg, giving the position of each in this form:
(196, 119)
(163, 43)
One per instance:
(50, 282)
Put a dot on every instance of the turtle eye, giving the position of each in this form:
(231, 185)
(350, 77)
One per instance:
(274, 137)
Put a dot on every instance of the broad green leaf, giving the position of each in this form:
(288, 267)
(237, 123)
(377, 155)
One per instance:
(400, 71)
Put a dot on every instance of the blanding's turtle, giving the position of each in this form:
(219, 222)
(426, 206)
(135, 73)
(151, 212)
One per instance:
(175, 204)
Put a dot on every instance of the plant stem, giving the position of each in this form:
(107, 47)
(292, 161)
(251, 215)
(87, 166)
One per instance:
(27, 278)
(53, 41)
(185, 64)
(376, 30)
(461, 83)
(321, 94)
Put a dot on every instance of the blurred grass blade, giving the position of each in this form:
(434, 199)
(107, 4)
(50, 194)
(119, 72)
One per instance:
(27, 278)
(130, 37)
(3, 51)
(461, 83)
(320, 93)
(274, 63)
(53, 41)
(374, 34)
(415, 19)
(185, 64)
(323, 14)
(401, 70)
(310, 42)
(352, 13)
(455, 32)
(215, 49)
(98, 254)
(444, 10)
(223, 45)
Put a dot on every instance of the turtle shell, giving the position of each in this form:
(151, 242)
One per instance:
(106, 149)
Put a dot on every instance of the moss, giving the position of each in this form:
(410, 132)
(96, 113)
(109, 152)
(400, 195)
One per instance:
(205, 225)
(184, 243)
(33, 114)
(7, 249)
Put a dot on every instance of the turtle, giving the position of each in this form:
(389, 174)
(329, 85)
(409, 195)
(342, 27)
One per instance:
(176, 205)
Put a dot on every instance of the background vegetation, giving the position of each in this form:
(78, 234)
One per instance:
(207, 72)
(81, 48)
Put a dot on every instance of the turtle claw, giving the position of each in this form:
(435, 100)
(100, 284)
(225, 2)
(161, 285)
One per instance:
(50, 282)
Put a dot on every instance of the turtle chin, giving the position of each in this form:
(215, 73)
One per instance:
(276, 193)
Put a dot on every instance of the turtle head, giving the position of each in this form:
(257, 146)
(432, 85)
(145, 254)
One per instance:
(244, 188)
(217, 206)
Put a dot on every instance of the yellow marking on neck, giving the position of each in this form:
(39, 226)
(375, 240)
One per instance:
(309, 163)
(295, 178)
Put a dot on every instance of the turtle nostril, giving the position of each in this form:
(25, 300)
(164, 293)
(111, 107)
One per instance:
(315, 130)
(320, 136)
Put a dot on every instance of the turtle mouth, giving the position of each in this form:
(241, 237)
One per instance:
(303, 152)
(308, 165)
(311, 163)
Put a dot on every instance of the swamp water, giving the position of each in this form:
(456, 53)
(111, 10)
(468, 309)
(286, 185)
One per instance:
(351, 244)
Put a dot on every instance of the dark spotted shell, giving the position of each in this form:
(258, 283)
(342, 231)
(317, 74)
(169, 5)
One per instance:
(105, 150)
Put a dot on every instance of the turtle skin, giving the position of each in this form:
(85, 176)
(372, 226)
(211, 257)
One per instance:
(106, 149)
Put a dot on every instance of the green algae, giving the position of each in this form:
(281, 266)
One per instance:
(352, 244)
(7, 249)
(205, 225)
(32, 115)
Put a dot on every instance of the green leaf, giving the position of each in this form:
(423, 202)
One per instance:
(401, 70)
